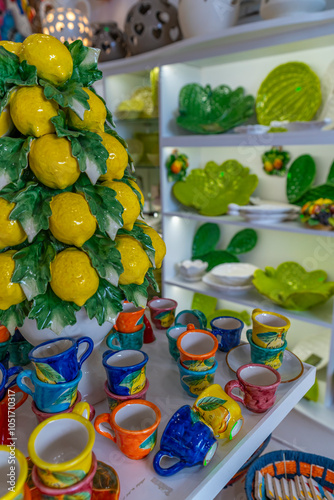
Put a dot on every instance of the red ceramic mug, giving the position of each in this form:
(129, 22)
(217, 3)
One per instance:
(162, 312)
(7, 405)
(258, 384)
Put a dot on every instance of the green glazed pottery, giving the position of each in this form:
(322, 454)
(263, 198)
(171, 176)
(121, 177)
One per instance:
(291, 287)
(4, 348)
(18, 353)
(213, 111)
(291, 92)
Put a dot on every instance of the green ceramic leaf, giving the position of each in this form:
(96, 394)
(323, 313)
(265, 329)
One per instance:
(131, 379)
(210, 403)
(242, 315)
(292, 287)
(83, 495)
(204, 303)
(149, 442)
(330, 177)
(272, 339)
(151, 279)
(14, 316)
(194, 364)
(91, 154)
(105, 304)
(323, 191)
(300, 177)
(103, 205)
(210, 190)
(52, 312)
(205, 239)
(66, 397)
(49, 374)
(105, 257)
(242, 242)
(71, 95)
(194, 416)
(218, 257)
(206, 111)
(105, 478)
(145, 240)
(84, 63)
(69, 478)
(13, 73)
(13, 158)
(136, 293)
(61, 126)
(291, 92)
(192, 381)
(32, 267)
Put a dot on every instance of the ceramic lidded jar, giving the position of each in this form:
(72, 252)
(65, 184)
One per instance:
(204, 17)
(110, 40)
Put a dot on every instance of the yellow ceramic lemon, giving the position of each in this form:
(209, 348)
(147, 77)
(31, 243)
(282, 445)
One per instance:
(134, 259)
(13, 47)
(71, 221)
(128, 200)
(52, 58)
(6, 122)
(137, 188)
(10, 293)
(73, 277)
(158, 244)
(94, 117)
(52, 162)
(31, 112)
(118, 157)
(11, 232)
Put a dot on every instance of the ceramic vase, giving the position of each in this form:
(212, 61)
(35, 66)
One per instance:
(204, 17)
(91, 385)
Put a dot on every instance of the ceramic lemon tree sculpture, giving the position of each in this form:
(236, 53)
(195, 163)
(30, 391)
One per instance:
(70, 229)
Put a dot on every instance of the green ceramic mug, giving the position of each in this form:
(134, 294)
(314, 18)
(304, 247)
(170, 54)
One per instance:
(118, 341)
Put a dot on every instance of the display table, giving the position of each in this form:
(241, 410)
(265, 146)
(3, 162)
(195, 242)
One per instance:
(137, 478)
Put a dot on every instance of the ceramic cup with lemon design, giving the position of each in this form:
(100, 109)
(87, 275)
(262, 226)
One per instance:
(117, 340)
(49, 398)
(197, 349)
(13, 473)
(126, 371)
(261, 355)
(61, 447)
(162, 312)
(56, 361)
(115, 400)
(219, 411)
(195, 382)
(269, 329)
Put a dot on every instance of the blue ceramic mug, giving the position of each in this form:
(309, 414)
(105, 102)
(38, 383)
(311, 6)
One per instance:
(173, 334)
(228, 331)
(193, 316)
(266, 356)
(195, 382)
(187, 439)
(7, 378)
(49, 398)
(126, 371)
(133, 340)
(56, 361)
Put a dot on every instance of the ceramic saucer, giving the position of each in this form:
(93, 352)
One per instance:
(291, 368)
(209, 280)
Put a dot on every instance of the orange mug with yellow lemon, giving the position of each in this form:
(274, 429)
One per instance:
(134, 427)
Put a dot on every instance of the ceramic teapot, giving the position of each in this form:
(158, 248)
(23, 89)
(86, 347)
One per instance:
(203, 17)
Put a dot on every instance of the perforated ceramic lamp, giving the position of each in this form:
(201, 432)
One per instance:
(67, 24)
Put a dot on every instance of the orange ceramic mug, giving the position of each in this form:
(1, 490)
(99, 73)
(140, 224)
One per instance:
(131, 319)
(134, 427)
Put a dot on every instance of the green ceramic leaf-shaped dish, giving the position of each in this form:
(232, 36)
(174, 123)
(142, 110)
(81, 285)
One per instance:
(206, 111)
(210, 190)
(291, 287)
(291, 92)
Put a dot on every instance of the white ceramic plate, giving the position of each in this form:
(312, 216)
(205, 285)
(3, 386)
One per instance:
(290, 369)
(209, 280)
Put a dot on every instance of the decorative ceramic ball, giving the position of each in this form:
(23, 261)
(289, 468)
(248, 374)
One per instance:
(110, 40)
(67, 24)
(150, 25)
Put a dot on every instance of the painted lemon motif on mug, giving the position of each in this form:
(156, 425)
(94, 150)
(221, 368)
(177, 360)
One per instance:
(135, 381)
(214, 412)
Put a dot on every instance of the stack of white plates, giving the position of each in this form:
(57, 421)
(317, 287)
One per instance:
(265, 212)
(231, 277)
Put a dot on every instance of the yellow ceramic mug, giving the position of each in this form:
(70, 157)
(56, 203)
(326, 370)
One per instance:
(269, 329)
(61, 447)
(219, 411)
(13, 473)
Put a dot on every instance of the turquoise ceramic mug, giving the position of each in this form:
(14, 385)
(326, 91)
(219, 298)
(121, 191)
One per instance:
(193, 316)
(266, 356)
(118, 341)
(173, 334)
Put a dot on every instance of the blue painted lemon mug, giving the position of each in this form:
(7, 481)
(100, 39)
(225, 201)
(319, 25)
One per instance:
(186, 438)
(7, 378)
(56, 361)
(126, 371)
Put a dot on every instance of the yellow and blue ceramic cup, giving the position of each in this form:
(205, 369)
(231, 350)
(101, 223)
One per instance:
(61, 447)
(269, 329)
(13, 473)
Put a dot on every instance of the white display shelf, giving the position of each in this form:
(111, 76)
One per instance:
(320, 315)
(235, 39)
(137, 478)
(288, 226)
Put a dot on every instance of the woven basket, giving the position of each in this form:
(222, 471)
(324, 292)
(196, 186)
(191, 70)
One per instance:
(296, 463)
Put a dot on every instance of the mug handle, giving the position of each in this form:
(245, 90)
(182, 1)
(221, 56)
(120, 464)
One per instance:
(82, 409)
(100, 419)
(249, 335)
(11, 373)
(88, 351)
(112, 346)
(229, 388)
(256, 311)
(23, 396)
(22, 385)
(169, 471)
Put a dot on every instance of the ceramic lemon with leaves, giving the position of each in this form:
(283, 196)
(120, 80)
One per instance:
(71, 235)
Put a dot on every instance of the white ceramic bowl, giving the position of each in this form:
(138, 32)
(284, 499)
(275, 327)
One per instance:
(234, 274)
(192, 270)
